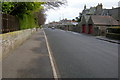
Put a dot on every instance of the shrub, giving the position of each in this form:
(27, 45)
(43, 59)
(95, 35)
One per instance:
(27, 21)
(113, 36)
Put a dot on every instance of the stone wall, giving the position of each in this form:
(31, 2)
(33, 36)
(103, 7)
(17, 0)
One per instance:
(12, 40)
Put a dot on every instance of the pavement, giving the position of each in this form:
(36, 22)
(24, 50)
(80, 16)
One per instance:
(107, 39)
(30, 60)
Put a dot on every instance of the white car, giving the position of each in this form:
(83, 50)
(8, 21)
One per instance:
(53, 27)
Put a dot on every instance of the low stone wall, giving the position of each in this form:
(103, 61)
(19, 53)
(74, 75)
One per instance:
(12, 40)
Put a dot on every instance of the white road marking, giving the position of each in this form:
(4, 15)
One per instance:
(74, 33)
(51, 59)
(61, 30)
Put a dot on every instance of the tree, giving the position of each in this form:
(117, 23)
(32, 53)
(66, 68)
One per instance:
(73, 19)
(25, 11)
(40, 17)
(55, 4)
(20, 8)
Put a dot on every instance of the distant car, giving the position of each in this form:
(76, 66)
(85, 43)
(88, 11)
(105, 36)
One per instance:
(53, 27)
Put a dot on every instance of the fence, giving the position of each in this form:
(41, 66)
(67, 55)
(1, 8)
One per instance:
(9, 23)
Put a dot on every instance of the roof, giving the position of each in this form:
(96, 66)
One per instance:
(87, 17)
(114, 12)
(104, 20)
(74, 23)
(84, 19)
(70, 23)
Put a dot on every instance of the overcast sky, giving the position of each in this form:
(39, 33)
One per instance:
(74, 7)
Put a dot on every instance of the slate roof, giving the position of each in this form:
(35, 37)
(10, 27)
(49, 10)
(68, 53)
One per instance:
(90, 11)
(84, 12)
(112, 12)
(104, 20)
(84, 19)
(98, 12)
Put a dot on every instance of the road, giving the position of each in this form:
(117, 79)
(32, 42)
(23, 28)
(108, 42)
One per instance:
(74, 56)
(82, 56)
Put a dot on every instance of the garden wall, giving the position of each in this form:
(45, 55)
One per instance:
(10, 41)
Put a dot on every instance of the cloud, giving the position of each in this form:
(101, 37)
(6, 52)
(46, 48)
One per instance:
(75, 6)
(69, 13)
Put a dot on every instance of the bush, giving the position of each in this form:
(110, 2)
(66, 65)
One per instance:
(27, 21)
(114, 30)
(113, 36)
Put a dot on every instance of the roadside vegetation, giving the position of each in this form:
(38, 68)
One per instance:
(113, 33)
(24, 11)
(29, 14)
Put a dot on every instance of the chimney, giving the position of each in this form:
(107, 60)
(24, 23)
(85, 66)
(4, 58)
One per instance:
(85, 7)
(101, 6)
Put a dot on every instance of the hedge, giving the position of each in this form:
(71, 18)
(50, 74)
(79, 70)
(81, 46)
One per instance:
(113, 36)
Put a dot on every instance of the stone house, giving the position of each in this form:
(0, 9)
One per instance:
(83, 23)
(67, 25)
(97, 25)
(93, 10)
(114, 12)
(96, 19)
(86, 13)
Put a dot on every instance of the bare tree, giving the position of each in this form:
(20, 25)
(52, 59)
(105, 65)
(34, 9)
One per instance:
(54, 4)
(40, 17)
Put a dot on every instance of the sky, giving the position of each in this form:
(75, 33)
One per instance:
(74, 7)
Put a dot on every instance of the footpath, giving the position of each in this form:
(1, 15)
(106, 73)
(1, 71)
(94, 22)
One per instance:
(107, 39)
(30, 60)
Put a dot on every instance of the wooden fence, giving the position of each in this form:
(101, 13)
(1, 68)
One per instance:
(9, 23)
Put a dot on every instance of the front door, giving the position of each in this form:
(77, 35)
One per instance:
(83, 28)
(90, 29)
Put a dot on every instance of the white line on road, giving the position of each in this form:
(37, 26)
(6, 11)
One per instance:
(51, 59)
(74, 33)
(62, 30)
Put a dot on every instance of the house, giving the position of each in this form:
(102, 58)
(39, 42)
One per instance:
(93, 10)
(86, 13)
(95, 20)
(53, 24)
(119, 4)
(114, 12)
(97, 24)
(67, 24)
(99, 9)
(83, 23)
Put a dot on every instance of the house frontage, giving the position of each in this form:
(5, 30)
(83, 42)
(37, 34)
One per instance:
(84, 23)
(95, 20)
(97, 24)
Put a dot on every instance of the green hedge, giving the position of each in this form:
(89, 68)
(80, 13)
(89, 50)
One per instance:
(113, 36)
(114, 30)
(27, 21)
